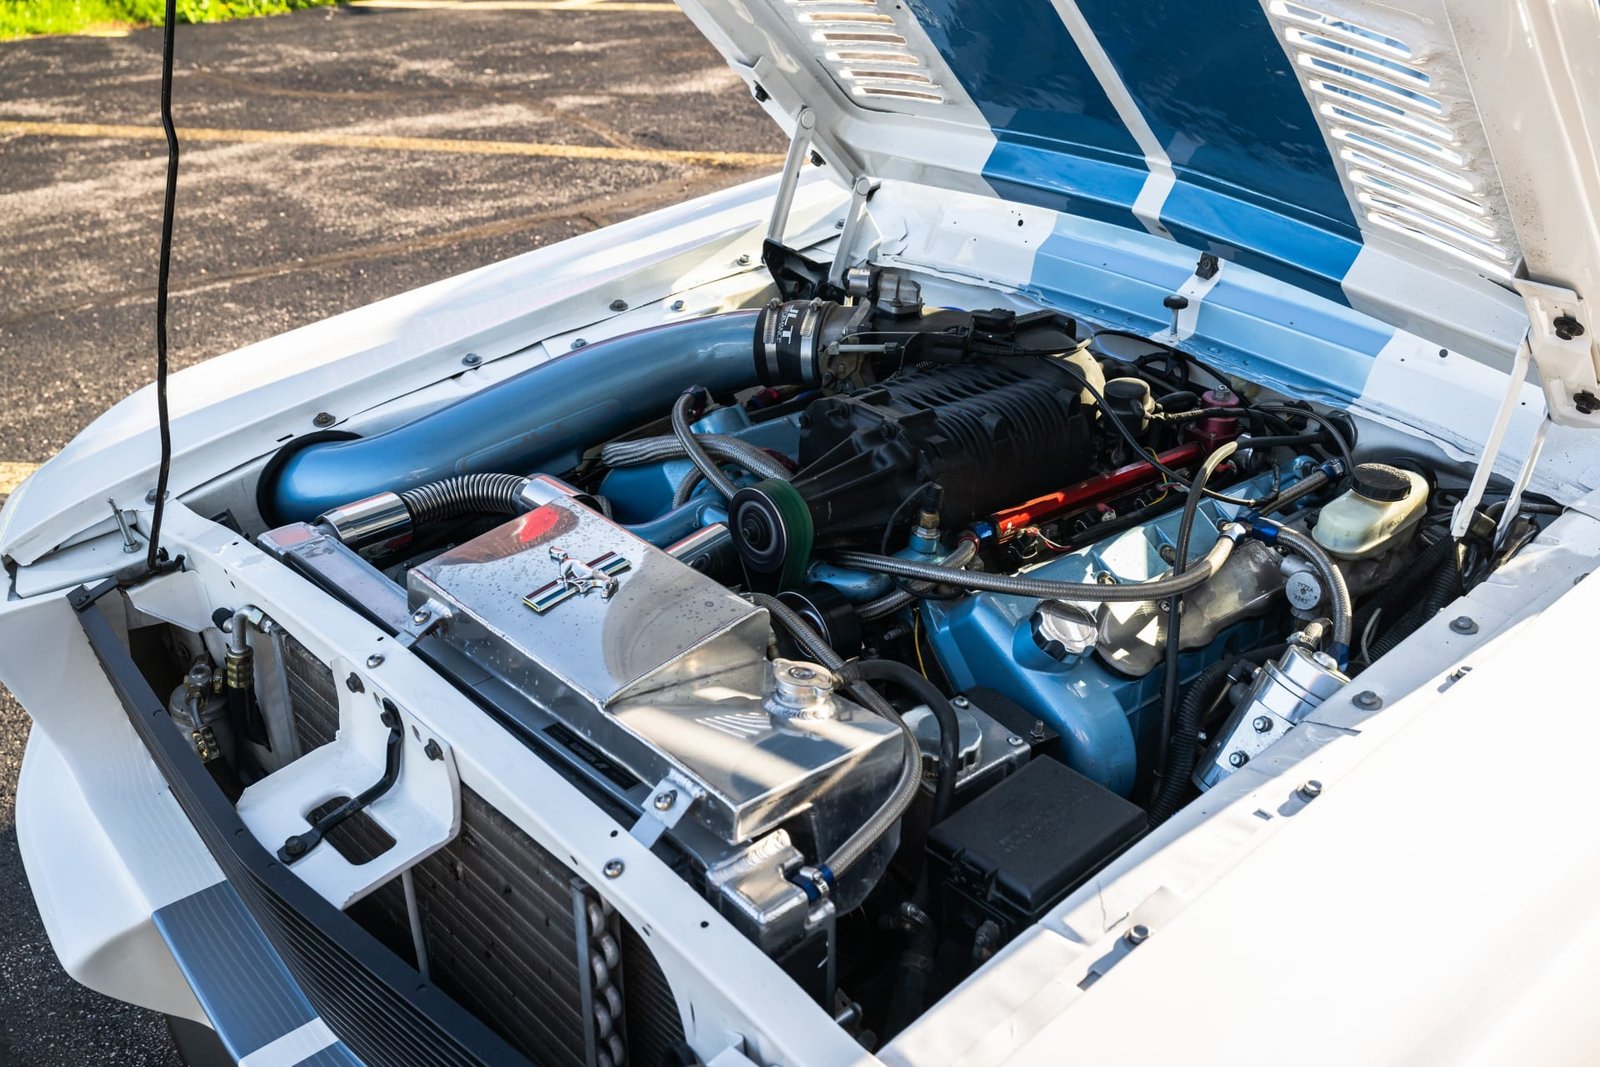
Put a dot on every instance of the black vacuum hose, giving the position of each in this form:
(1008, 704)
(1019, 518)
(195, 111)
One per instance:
(895, 673)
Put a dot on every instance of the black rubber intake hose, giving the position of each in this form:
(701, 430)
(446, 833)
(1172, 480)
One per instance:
(896, 673)
(463, 495)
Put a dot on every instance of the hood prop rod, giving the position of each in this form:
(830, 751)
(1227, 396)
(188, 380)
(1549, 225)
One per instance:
(805, 126)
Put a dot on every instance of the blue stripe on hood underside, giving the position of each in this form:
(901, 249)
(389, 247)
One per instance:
(1255, 182)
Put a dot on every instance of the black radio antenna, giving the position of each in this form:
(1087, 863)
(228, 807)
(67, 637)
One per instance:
(169, 25)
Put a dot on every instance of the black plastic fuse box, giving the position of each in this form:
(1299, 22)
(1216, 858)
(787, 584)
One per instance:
(1018, 849)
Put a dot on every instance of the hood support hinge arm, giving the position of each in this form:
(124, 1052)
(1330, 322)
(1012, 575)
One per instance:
(1559, 346)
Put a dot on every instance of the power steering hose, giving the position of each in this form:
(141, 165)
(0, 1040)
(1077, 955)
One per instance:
(1338, 592)
(889, 603)
(1041, 589)
(819, 880)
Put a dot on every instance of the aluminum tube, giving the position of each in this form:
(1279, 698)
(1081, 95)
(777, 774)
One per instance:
(540, 420)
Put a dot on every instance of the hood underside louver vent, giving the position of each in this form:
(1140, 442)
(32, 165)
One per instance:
(1404, 134)
(866, 51)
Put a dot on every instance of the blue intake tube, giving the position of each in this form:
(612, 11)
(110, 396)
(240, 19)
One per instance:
(540, 421)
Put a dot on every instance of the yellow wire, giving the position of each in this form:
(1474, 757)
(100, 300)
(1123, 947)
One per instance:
(916, 640)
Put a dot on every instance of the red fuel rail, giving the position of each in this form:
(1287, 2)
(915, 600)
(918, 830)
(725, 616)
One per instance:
(1091, 491)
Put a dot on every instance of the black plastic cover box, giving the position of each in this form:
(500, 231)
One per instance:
(1018, 849)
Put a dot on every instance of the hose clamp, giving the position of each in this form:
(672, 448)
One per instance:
(817, 882)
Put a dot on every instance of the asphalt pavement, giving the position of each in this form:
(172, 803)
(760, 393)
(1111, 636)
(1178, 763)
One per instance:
(328, 169)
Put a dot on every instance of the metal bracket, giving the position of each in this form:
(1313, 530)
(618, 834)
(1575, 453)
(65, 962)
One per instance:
(421, 622)
(300, 844)
(1562, 348)
(861, 191)
(669, 802)
(1185, 303)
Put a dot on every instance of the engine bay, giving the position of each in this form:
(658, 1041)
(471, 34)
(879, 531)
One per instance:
(886, 626)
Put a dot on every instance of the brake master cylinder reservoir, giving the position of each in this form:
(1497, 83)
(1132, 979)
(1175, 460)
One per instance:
(1380, 509)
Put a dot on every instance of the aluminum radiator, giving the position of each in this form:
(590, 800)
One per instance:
(505, 926)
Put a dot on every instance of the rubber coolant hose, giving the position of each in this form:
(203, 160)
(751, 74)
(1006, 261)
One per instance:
(895, 673)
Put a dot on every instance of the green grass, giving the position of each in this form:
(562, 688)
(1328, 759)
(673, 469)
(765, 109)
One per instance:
(22, 18)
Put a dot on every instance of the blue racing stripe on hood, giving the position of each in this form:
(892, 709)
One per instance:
(1254, 180)
(1059, 142)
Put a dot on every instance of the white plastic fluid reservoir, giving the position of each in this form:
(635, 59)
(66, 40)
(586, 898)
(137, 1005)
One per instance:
(1379, 510)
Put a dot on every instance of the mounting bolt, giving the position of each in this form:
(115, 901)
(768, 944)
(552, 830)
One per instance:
(150, 496)
(432, 749)
(578, 342)
(612, 869)
(1586, 403)
(1037, 733)
(665, 799)
(1368, 700)
(619, 305)
(1137, 934)
(471, 359)
(374, 660)
(1015, 742)
(1262, 724)
(294, 846)
(1464, 624)
(1310, 790)
(961, 702)
(744, 259)
(353, 683)
(677, 305)
(323, 418)
(421, 615)
(1237, 759)
(1567, 327)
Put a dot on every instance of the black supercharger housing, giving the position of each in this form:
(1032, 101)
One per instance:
(991, 433)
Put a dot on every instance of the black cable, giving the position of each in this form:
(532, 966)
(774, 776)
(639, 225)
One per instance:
(1180, 563)
(1328, 424)
(169, 205)
(894, 517)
